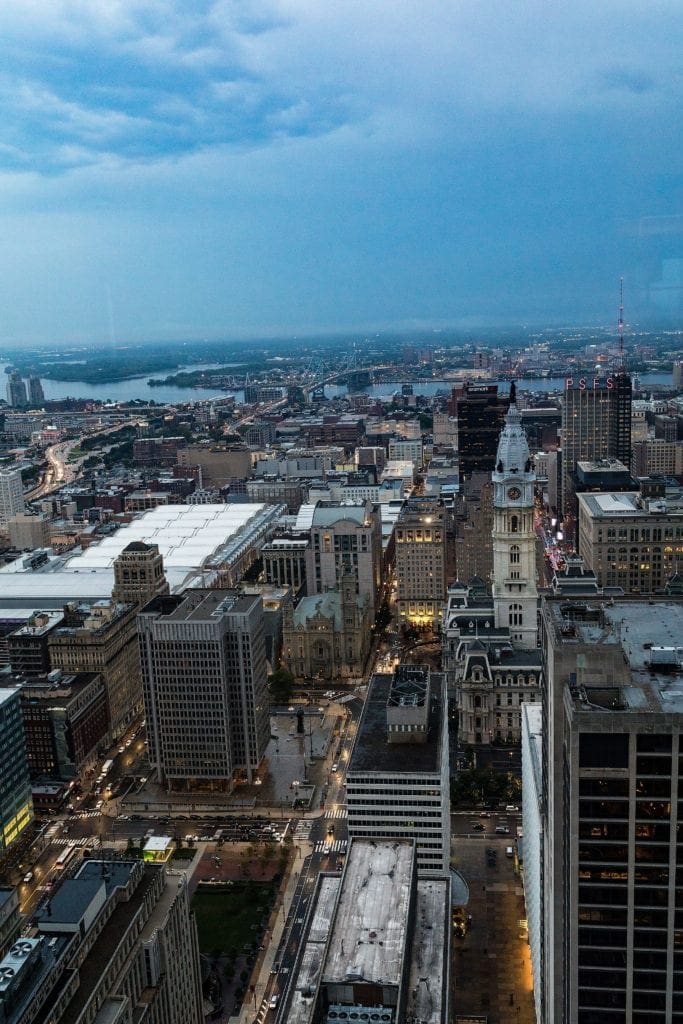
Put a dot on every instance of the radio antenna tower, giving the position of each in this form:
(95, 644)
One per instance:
(620, 327)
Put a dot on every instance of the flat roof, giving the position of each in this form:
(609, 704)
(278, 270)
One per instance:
(158, 844)
(650, 635)
(371, 751)
(188, 537)
(71, 900)
(309, 968)
(427, 995)
(369, 935)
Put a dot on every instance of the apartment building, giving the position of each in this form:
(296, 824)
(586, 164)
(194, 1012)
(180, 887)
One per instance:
(11, 495)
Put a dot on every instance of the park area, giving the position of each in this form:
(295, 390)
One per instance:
(232, 918)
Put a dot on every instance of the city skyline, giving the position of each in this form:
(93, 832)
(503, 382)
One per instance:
(276, 168)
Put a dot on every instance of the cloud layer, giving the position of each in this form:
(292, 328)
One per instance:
(266, 164)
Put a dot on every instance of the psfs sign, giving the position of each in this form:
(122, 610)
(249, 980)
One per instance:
(589, 383)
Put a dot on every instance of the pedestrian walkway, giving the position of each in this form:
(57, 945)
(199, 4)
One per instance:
(63, 841)
(338, 846)
(253, 1006)
(338, 812)
(303, 830)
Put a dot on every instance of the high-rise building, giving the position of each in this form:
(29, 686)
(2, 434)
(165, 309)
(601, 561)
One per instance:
(421, 561)
(610, 948)
(480, 412)
(11, 495)
(117, 943)
(397, 782)
(677, 375)
(16, 391)
(515, 597)
(26, 533)
(36, 395)
(16, 807)
(139, 574)
(474, 528)
(205, 687)
(346, 539)
(102, 638)
(596, 424)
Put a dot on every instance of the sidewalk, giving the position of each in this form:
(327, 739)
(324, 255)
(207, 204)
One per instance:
(260, 976)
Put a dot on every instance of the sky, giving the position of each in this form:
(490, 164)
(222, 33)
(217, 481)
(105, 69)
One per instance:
(177, 169)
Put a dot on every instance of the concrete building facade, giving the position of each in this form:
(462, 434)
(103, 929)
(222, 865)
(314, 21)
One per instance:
(420, 555)
(346, 539)
(397, 782)
(205, 687)
(11, 495)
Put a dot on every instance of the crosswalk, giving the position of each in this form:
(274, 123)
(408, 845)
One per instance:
(63, 841)
(303, 830)
(90, 814)
(338, 812)
(338, 846)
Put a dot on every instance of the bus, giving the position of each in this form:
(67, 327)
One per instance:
(106, 768)
(65, 856)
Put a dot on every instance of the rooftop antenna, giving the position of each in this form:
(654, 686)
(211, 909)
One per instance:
(620, 327)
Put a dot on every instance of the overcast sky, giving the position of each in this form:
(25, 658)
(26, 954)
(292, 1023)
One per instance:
(188, 168)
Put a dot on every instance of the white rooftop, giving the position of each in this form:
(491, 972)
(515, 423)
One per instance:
(188, 537)
(368, 940)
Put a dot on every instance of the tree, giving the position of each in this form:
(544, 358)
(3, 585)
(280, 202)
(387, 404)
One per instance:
(281, 685)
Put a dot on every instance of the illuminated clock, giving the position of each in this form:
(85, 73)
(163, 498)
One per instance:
(514, 493)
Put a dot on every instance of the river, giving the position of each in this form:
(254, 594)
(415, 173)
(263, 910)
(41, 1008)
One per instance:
(137, 387)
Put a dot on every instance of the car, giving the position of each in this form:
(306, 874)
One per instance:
(502, 830)
(275, 969)
(28, 877)
(122, 750)
(485, 814)
(99, 805)
(326, 849)
(511, 808)
(477, 827)
(335, 767)
(509, 852)
(272, 1005)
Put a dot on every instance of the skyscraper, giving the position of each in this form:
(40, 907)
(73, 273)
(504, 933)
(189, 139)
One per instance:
(610, 942)
(16, 391)
(596, 424)
(16, 808)
(11, 495)
(480, 412)
(515, 597)
(36, 395)
(205, 687)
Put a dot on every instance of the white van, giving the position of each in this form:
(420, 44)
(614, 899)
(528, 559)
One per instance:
(509, 852)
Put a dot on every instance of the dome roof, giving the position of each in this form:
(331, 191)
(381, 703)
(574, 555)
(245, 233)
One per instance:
(513, 448)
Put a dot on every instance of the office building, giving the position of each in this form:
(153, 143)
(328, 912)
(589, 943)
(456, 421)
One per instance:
(205, 687)
(632, 541)
(515, 597)
(420, 555)
(531, 845)
(346, 539)
(27, 646)
(139, 574)
(653, 456)
(596, 424)
(66, 722)
(102, 638)
(220, 464)
(397, 782)
(115, 944)
(36, 395)
(480, 412)
(26, 533)
(11, 495)
(16, 391)
(677, 374)
(611, 950)
(10, 918)
(16, 808)
(375, 945)
(474, 528)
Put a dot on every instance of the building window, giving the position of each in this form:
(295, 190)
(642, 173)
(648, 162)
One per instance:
(515, 615)
(514, 554)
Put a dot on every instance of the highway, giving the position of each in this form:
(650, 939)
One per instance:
(60, 471)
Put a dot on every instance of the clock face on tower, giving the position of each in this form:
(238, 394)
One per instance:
(514, 493)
